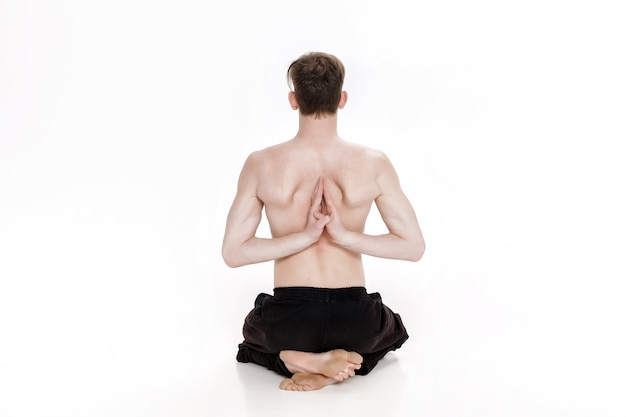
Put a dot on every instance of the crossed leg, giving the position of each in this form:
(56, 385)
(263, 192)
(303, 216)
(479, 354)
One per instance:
(316, 370)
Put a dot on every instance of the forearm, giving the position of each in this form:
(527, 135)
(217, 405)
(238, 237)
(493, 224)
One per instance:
(256, 250)
(390, 245)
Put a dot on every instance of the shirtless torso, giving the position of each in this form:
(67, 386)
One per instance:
(284, 179)
(349, 178)
(317, 191)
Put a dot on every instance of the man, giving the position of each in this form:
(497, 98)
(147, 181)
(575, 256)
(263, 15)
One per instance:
(320, 326)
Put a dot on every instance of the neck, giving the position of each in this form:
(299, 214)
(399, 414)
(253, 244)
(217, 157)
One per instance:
(323, 129)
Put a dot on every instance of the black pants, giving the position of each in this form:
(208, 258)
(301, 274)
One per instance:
(318, 320)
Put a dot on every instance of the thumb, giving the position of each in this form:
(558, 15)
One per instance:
(323, 219)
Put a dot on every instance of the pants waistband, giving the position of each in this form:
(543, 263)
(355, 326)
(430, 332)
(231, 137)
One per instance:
(320, 294)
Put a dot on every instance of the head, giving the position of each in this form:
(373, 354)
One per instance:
(317, 81)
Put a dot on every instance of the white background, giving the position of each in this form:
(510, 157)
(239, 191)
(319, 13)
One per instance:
(123, 127)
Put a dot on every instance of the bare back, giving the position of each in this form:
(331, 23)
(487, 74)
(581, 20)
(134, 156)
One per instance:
(286, 181)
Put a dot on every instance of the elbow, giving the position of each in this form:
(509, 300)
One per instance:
(417, 252)
(230, 258)
(231, 264)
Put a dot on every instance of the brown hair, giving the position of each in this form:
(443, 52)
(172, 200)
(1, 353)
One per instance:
(317, 80)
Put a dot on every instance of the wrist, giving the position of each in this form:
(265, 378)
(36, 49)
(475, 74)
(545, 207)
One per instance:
(347, 239)
(303, 240)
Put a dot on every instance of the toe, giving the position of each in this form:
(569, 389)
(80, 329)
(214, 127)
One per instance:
(355, 357)
(286, 384)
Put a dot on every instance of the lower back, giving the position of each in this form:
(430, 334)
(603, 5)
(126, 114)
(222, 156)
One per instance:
(322, 265)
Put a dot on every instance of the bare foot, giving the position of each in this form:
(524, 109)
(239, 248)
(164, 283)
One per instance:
(306, 382)
(338, 364)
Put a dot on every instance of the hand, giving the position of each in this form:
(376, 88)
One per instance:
(317, 218)
(334, 226)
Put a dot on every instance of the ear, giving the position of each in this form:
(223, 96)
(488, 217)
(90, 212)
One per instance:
(293, 102)
(343, 100)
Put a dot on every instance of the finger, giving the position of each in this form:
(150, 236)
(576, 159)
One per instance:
(318, 193)
(321, 185)
(315, 191)
(324, 220)
(329, 201)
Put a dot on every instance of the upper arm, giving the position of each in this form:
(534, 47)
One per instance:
(394, 206)
(245, 213)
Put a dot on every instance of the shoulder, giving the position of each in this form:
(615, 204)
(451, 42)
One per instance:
(262, 156)
(258, 159)
(378, 164)
(252, 168)
(259, 163)
(374, 158)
